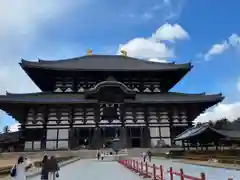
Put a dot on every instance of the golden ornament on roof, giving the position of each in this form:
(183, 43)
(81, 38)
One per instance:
(89, 52)
(123, 52)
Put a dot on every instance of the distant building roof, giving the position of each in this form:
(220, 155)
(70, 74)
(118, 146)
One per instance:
(195, 131)
(171, 97)
(105, 63)
(10, 137)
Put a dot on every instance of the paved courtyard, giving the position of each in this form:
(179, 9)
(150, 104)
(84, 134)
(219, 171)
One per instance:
(94, 170)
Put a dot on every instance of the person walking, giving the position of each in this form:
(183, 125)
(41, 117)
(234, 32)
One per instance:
(144, 156)
(102, 156)
(18, 172)
(98, 154)
(44, 168)
(149, 153)
(53, 168)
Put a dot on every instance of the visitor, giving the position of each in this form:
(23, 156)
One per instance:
(149, 153)
(18, 172)
(44, 168)
(102, 156)
(144, 156)
(53, 168)
(98, 154)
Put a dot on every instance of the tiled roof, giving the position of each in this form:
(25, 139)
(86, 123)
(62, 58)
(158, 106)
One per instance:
(50, 98)
(194, 131)
(105, 63)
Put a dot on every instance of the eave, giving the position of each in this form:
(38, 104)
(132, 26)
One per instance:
(16, 105)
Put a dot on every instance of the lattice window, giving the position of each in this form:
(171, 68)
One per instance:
(129, 115)
(59, 85)
(139, 116)
(176, 116)
(68, 85)
(163, 115)
(90, 116)
(52, 116)
(78, 117)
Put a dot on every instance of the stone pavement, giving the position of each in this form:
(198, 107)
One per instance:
(94, 170)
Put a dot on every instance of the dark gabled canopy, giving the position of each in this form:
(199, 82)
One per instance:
(44, 73)
(110, 90)
(207, 133)
(105, 63)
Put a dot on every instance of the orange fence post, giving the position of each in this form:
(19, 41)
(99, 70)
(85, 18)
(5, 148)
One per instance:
(171, 173)
(161, 173)
(154, 172)
(146, 170)
(137, 167)
(142, 168)
(203, 177)
(181, 174)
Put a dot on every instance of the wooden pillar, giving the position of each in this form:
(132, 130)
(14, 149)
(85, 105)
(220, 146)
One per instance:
(123, 137)
(170, 118)
(44, 139)
(147, 138)
(96, 142)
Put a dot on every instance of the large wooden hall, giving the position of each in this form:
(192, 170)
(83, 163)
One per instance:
(87, 101)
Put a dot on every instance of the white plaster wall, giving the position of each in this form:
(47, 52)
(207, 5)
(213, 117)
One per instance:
(51, 145)
(37, 145)
(167, 141)
(63, 144)
(154, 132)
(165, 131)
(28, 145)
(63, 133)
(52, 134)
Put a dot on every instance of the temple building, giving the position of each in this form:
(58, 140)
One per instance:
(87, 101)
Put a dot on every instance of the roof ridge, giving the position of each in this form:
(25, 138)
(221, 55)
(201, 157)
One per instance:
(98, 55)
(193, 94)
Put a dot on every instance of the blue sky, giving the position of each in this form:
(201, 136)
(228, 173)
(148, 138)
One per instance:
(202, 32)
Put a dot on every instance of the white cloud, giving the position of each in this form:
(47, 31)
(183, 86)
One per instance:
(170, 33)
(232, 41)
(21, 23)
(222, 110)
(25, 16)
(146, 48)
(231, 111)
(152, 47)
(14, 127)
(216, 49)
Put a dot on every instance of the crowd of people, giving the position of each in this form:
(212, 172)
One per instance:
(49, 168)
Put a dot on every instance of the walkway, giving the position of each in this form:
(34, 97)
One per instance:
(94, 170)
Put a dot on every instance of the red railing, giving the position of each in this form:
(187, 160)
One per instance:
(146, 170)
